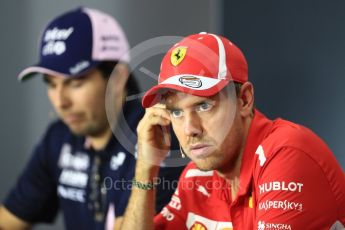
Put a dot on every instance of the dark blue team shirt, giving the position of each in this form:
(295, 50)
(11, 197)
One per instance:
(60, 171)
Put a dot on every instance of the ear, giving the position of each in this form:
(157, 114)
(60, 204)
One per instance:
(246, 99)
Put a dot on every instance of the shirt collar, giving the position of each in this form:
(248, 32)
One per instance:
(259, 128)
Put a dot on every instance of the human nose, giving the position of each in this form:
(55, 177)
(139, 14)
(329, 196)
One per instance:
(192, 125)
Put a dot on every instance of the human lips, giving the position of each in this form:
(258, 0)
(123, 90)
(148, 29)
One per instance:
(72, 118)
(200, 150)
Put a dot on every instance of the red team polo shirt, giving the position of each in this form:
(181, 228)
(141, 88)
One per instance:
(289, 179)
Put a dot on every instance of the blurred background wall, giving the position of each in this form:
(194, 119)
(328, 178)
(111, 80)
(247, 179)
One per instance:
(295, 50)
(296, 56)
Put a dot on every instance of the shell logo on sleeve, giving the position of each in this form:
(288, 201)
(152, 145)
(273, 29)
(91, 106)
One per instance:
(197, 222)
(198, 226)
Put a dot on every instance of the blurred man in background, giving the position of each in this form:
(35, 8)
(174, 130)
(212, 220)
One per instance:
(79, 166)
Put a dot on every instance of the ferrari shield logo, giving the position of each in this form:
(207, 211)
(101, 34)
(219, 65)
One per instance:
(177, 55)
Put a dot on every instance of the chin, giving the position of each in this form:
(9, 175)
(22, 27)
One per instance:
(204, 165)
(78, 130)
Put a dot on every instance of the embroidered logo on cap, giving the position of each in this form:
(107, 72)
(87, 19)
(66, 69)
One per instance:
(80, 66)
(177, 55)
(55, 41)
(191, 81)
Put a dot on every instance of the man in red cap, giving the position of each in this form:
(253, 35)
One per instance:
(247, 172)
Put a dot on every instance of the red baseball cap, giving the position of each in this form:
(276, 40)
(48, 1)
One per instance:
(201, 65)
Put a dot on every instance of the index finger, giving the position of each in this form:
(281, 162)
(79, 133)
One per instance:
(159, 109)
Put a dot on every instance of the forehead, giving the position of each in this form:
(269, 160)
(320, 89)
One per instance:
(65, 78)
(54, 78)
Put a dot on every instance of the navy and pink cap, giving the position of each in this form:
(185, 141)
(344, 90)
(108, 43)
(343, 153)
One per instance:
(201, 65)
(77, 41)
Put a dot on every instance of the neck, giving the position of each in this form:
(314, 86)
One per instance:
(233, 174)
(99, 142)
(233, 177)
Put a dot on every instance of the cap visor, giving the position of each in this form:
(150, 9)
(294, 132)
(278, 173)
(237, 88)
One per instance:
(153, 96)
(40, 69)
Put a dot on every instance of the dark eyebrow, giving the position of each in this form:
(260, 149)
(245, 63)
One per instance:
(202, 102)
(66, 81)
(209, 100)
(171, 108)
(47, 80)
(81, 77)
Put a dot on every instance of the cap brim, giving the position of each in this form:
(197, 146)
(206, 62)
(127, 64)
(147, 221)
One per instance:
(154, 95)
(41, 69)
(34, 70)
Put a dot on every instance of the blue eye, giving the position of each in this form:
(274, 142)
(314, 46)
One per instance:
(176, 113)
(205, 106)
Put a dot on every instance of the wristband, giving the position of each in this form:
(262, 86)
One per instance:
(144, 186)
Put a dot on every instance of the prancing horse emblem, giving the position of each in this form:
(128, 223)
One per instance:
(177, 55)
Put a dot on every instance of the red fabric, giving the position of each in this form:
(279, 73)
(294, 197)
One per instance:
(196, 197)
(289, 180)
